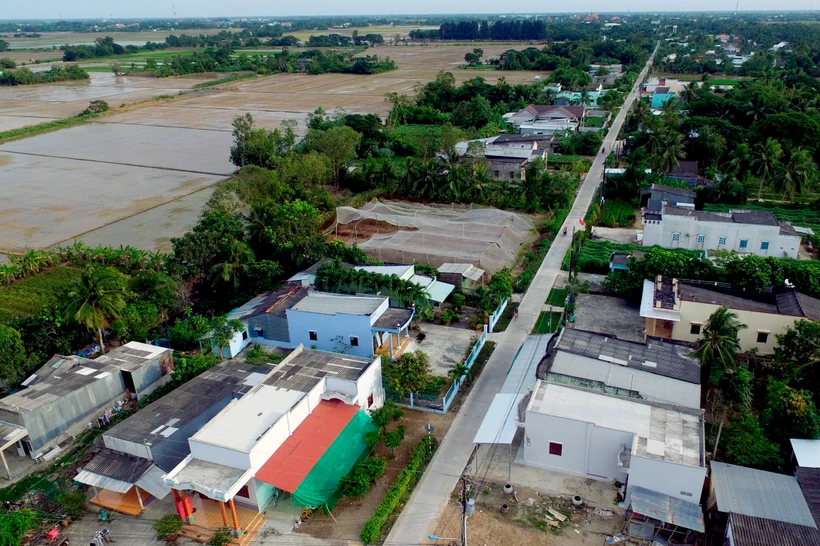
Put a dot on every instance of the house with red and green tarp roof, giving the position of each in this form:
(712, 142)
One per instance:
(295, 434)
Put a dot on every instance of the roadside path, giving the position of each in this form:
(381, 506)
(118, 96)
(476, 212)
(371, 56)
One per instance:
(422, 511)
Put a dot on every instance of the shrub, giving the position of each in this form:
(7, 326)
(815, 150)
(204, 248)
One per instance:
(72, 503)
(448, 316)
(13, 525)
(357, 482)
(400, 490)
(167, 526)
(222, 537)
(458, 301)
(257, 355)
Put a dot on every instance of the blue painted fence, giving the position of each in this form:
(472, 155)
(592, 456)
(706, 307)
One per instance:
(497, 313)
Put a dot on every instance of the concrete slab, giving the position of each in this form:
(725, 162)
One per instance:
(616, 235)
(609, 315)
(444, 345)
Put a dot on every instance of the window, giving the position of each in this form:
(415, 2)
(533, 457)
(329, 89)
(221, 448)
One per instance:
(370, 400)
(764, 245)
(694, 328)
(721, 240)
(244, 334)
(354, 341)
(675, 237)
(496, 174)
(556, 448)
(314, 336)
(243, 492)
(744, 243)
(512, 176)
(701, 238)
(762, 337)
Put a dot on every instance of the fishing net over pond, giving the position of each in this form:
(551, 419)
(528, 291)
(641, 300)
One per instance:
(400, 232)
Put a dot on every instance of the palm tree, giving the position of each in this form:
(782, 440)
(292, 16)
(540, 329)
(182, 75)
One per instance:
(458, 371)
(584, 97)
(739, 161)
(642, 111)
(96, 299)
(549, 96)
(768, 159)
(799, 171)
(240, 257)
(666, 158)
(718, 345)
(688, 93)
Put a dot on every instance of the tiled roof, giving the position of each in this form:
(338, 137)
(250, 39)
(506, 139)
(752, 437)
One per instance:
(276, 302)
(686, 169)
(657, 357)
(296, 456)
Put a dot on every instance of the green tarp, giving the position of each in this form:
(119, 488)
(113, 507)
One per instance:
(320, 485)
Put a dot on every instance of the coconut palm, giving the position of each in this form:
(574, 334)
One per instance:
(718, 345)
(96, 299)
(584, 97)
(666, 157)
(739, 161)
(240, 257)
(766, 161)
(457, 372)
(792, 176)
(688, 93)
(641, 111)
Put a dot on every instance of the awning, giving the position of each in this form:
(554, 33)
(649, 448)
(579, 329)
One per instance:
(666, 509)
(501, 421)
(216, 481)
(119, 472)
(296, 457)
(439, 291)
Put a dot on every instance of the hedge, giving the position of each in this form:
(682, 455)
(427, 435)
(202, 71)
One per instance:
(400, 490)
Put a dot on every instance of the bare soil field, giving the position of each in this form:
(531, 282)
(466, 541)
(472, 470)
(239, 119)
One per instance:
(125, 178)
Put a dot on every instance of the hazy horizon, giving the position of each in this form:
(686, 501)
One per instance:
(97, 9)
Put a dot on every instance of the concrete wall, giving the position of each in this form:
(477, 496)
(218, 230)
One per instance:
(71, 413)
(587, 450)
(676, 480)
(333, 332)
(264, 493)
(152, 375)
(238, 343)
(505, 169)
(661, 232)
(697, 312)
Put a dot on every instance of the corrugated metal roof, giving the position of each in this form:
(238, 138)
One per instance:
(469, 270)
(331, 304)
(240, 425)
(809, 480)
(103, 482)
(500, 423)
(118, 466)
(302, 450)
(304, 368)
(667, 509)
(439, 291)
(807, 452)
(521, 377)
(751, 531)
(151, 481)
(761, 494)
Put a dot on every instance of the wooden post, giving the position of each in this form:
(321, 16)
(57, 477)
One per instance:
(224, 514)
(233, 513)
(139, 497)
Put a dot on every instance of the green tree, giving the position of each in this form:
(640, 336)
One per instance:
(338, 144)
(393, 439)
(236, 265)
(457, 372)
(718, 346)
(410, 373)
(794, 175)
(96, 299)
(16, 523)
(790, 413)
(747, 445)
(260, 147)
(13, 357)
(667, 151)
(137, 321)
(223, 330)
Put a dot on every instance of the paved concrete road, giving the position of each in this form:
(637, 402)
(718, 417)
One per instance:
(420, 514)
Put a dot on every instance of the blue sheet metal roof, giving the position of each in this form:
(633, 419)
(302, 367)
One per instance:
(667, 509)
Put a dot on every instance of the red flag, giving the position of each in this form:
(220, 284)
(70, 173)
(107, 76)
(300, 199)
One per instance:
(582, 222)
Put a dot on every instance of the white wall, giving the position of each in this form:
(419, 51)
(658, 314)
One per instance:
(236, 345)
(661, 233)
(578, 439)
(665, 477)
(138, 449)
(329, 328)
(371, 382)
(219, 455)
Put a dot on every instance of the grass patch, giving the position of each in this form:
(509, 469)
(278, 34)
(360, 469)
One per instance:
(724, 82)
(561, 159)
(557, 297)
(45, 127)
(481, 67)
(506, 317)
(617, 213)
(27, 296)
(227, 79)
(594, 256)
(547, 323)
(594, 121)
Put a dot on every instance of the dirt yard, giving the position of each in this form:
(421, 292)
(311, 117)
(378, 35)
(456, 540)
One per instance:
(528, 520)
(350, 514)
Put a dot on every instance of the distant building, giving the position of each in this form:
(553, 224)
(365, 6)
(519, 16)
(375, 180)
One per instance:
(466, 276)
(654, 197)
(678, 310)
(572, 98)
(686, 171)
(535, 114)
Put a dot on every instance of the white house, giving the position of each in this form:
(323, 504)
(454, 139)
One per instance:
(746, 232)
(294, 315)
(295, 433)
(589, 433)
(657, 371)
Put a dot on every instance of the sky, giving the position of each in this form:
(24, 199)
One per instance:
(81, 9)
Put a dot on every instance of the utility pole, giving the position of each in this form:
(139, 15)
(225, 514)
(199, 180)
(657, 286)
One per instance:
(464, 510)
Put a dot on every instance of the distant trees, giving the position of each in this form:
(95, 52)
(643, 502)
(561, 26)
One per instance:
(474, 57)
(24, 76)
